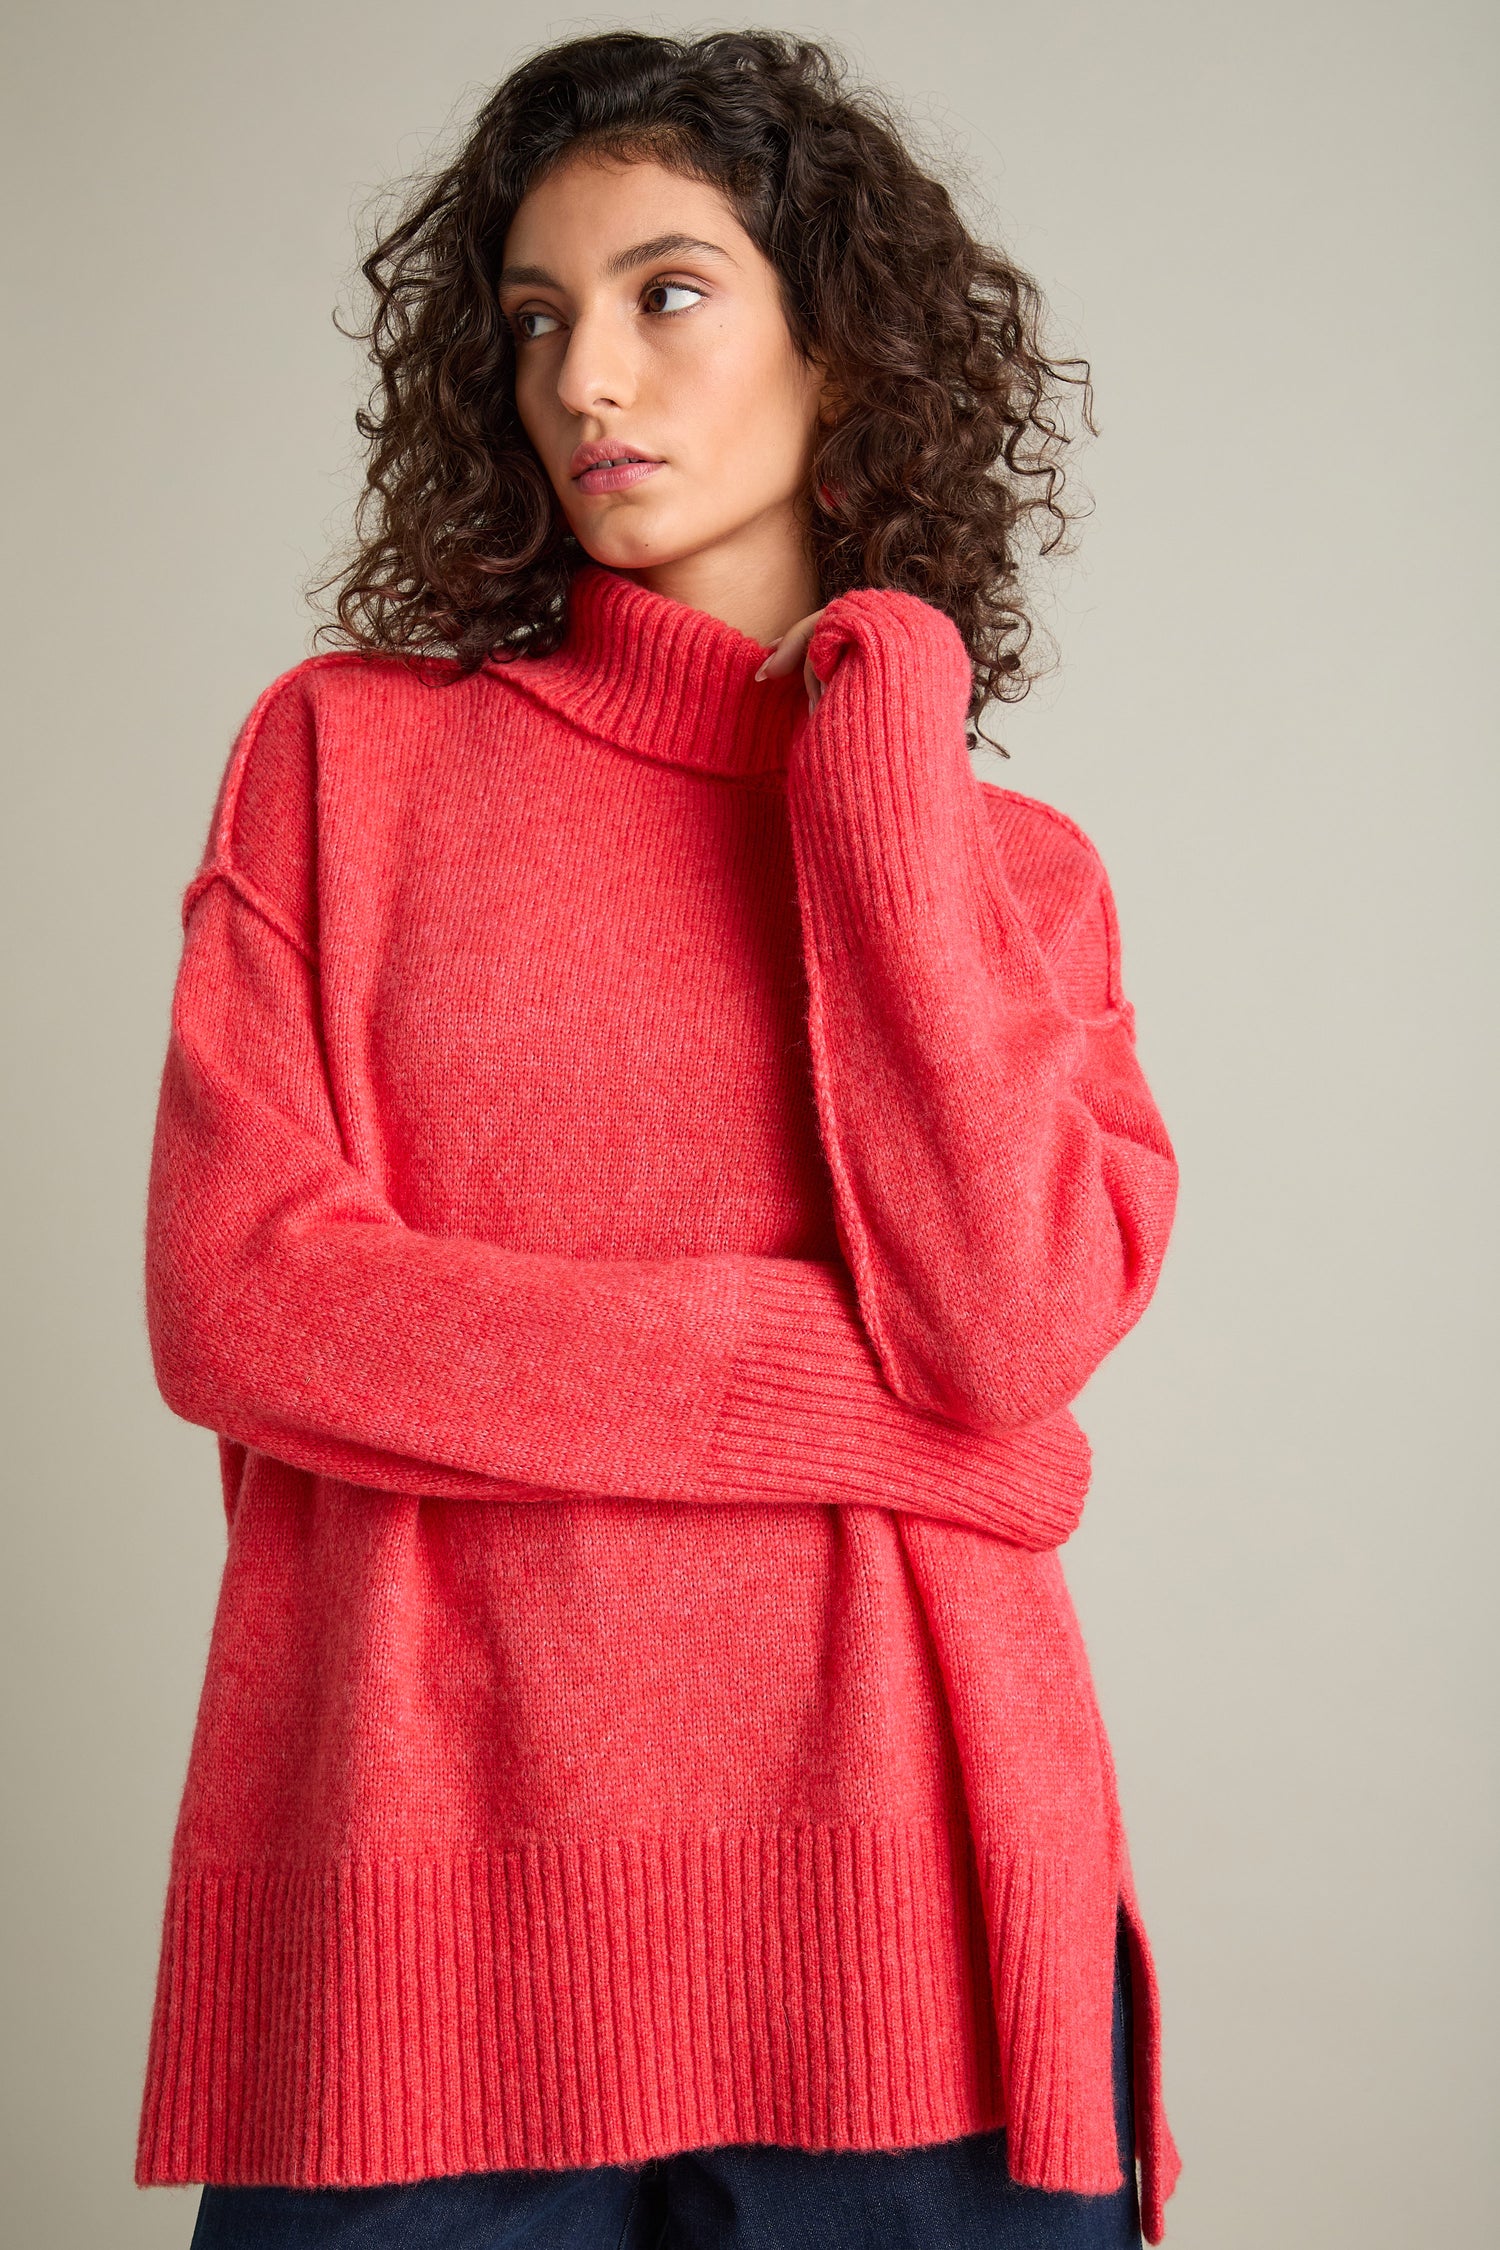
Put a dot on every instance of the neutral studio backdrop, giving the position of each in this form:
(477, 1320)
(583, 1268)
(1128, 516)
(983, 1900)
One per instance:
(1269, 229)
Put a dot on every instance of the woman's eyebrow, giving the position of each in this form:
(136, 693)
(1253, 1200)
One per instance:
(639, 254)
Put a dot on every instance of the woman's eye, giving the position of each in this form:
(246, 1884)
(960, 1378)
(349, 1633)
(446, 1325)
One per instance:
(673, 289)
(529, 335)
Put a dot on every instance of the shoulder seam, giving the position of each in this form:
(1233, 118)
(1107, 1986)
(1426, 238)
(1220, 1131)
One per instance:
(1103, 896)
(1051, 812)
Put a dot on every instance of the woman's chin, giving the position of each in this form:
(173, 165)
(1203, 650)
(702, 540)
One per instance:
(631, 545)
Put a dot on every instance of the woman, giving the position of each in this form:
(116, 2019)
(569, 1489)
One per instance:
(649, 1148)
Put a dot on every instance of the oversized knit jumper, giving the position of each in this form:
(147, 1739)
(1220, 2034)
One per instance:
(641, 1173)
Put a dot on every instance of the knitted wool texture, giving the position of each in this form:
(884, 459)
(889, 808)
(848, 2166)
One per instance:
(640, 1174)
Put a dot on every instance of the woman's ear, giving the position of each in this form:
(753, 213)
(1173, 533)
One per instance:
(832, 399)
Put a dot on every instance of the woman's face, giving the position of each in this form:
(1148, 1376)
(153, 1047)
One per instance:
(646, 319)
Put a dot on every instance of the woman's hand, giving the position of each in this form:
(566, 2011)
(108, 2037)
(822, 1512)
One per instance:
(790, 650)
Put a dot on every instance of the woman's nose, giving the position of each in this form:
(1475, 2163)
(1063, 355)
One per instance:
(596, 370)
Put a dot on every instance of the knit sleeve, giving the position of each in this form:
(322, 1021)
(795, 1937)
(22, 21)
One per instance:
(291, 1309)
(1003, 1182)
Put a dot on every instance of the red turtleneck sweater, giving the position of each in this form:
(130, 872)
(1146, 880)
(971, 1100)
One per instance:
(641, 1173)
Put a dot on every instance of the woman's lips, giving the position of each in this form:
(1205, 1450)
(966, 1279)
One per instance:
(604, 479)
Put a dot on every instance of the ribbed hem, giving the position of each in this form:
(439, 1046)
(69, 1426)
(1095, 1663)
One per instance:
(1160, 2161)
(807, 1415)
(1052, 1919)
(568, 2003)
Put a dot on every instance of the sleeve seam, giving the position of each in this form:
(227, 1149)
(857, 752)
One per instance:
(223, 871)
(245, 740)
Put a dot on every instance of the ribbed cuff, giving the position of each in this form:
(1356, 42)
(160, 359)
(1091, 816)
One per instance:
(912, 645)
(807, 1415)
(881, 790)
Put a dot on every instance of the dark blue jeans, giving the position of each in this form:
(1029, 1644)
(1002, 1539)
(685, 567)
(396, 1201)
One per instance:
(750, 2196)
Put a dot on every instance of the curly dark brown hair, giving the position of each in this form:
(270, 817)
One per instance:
(944, 465)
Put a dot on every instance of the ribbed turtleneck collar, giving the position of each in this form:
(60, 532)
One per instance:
(655, 677)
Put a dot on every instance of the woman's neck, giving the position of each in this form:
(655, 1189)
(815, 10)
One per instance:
(759, 586)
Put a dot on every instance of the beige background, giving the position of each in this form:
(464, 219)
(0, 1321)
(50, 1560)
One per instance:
(1269, 228)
